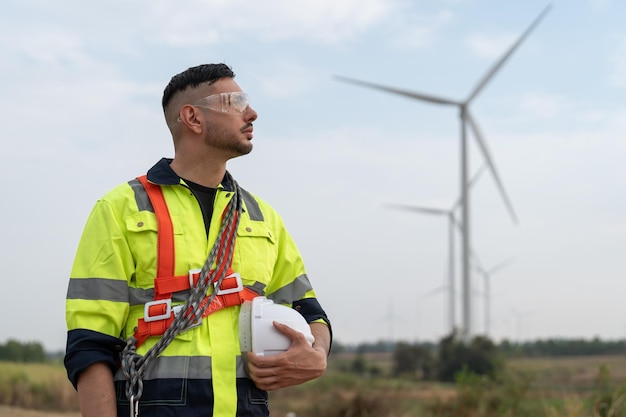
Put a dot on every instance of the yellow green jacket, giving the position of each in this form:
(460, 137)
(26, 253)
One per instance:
(201, 372)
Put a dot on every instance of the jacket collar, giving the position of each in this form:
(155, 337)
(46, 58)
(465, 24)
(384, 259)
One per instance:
(162, 174)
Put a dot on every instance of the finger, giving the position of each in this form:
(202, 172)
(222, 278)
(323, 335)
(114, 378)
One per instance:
(291, 333)
(262, 362)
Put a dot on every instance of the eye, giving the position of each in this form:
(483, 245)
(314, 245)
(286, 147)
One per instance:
(239, 101)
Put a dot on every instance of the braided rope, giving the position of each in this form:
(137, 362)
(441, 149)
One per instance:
(134, 365)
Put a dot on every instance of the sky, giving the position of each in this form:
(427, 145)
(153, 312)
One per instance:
(80, 113)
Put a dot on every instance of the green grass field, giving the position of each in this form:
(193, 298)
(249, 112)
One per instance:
(551, 387)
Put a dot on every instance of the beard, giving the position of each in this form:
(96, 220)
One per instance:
(229, 141)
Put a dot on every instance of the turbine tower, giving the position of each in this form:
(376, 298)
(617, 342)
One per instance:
(452, 224)
(466, 119)
(487, 273)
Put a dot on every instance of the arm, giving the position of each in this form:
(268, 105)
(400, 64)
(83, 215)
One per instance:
(96, 392)
(96, 310)
(321, 334)
(299, 364)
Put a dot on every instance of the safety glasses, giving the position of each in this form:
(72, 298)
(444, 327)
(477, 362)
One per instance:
(225, 102)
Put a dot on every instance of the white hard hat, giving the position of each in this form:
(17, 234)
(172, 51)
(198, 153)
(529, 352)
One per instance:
(256, 329)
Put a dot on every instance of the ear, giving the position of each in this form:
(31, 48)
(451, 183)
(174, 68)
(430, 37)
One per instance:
(191, 117)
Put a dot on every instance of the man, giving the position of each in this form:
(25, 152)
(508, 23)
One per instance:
(195, 369)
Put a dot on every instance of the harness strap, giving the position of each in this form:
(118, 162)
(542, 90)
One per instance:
(166, 258)
(159, 314)
(158, 327)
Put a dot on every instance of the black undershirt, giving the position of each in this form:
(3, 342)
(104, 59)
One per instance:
(206, 198)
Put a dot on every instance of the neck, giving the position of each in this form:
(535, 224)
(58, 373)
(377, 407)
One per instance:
(205, 172)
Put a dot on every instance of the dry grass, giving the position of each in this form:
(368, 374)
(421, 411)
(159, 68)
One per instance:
(6, 411)
(560, 387)
(576, 374)
(36, 386)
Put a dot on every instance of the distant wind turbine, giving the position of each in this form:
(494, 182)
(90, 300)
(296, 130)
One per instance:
(466, 119)
(452, 224)
(487, 273)
(390, 317)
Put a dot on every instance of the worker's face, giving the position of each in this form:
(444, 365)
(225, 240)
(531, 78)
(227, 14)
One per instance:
(229, 131)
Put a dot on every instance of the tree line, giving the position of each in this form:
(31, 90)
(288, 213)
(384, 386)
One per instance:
(541, 347)
(15, 351)
(452, 357)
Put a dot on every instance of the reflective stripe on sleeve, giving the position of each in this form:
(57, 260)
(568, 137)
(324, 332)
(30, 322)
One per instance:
(293, 291)
(98, 289)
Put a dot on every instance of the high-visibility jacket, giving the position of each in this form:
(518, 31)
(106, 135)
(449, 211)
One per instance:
(201, 373)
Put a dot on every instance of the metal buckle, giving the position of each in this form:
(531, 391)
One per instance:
(238, 288)
(146, 310)
(192, 272)
(177, 309)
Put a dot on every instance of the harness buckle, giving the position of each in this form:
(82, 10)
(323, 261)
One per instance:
(193, 272)
(224, 291)
(146, 310)
(177, 309)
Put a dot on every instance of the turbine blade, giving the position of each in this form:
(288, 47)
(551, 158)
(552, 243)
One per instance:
(434, 291)
(478, 265)
(418, 209)
(500, 266)
(455, 222)
(470, 184)
(506, 56)
(406, 93)
(489, 160)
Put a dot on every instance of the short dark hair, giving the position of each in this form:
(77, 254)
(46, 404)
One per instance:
(194, 76)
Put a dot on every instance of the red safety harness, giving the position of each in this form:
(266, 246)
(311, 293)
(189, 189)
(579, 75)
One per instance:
(159, 314)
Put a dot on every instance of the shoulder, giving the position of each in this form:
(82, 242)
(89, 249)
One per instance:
(123, 191)
(259, 209)
(124, 199)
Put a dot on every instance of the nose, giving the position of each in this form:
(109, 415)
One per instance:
(250, 114)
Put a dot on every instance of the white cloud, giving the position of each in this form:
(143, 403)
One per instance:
(489, 46)
(325, 21)
(197, 22)
(418, 31)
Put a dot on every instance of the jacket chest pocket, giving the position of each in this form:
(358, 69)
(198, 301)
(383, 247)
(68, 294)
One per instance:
(142, 239)
(256, 251)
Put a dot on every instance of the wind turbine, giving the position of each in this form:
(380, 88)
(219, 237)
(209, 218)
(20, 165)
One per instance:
(390, 317)
(466, 119)
(487, 273)
(452, 224)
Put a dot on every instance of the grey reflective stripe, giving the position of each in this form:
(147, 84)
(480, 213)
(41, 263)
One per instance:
(98, 289)
(257, 287)
(182, 367)
(294, 291)
(141, 196)
(140, 296)
(252, 206)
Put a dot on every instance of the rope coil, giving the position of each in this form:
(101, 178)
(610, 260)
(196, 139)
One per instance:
(134, 365)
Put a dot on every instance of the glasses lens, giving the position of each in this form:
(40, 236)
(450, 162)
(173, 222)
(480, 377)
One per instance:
(224, 102)
(239, 101)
